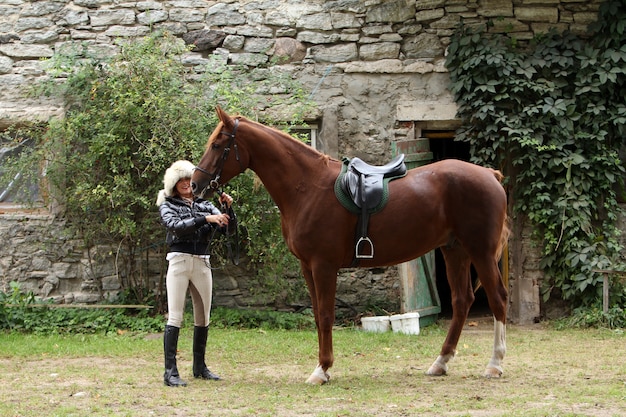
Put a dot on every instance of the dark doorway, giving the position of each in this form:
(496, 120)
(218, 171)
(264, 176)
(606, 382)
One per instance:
(443, 146)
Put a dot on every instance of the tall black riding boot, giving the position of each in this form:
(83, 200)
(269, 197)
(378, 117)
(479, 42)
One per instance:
(200, 369)
(170, 342)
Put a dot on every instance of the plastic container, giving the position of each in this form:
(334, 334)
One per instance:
(378, 324)
(407, 323)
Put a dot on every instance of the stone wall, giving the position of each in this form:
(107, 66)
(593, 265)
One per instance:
(375, 68)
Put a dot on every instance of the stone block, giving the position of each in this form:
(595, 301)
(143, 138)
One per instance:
(204, 40)
(226, 283)
(508, 25)
(390, 37)
(423, 111)
(149, 5)
(47, 36)
(187, 15)
(380, 50)
(544, 2)
(111, 283)
(428, 15)
(317, 37)
(317, 21)
(30, 23)
(345, 20)
(86, 298)
(26, 51)
(335, 53)
(64, 270)
(537, 14)
(193, 59)
(278, 18)
(424, 45)
(585, 18)
(74, 18)
(377, 29)
(446, 22)
(127, 31)
(247, 58)
(255, 31)
(495, 8)
(429, 4)
(234, 42)
(222, 14)
(152, 16)
(6, 65)
(383, 66)
(288, 50)
(391, 11)
(538, 28)
(111, 17)
(258, 45)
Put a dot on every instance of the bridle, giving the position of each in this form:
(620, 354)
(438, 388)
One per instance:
(214, 183)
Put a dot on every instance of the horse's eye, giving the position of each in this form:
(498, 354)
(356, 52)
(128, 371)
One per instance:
(215, 146)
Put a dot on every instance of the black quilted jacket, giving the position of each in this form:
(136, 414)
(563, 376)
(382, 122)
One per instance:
(187, 228)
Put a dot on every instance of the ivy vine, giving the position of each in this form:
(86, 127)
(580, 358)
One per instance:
(552, 115)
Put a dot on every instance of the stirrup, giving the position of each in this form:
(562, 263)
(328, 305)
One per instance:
(364, 240)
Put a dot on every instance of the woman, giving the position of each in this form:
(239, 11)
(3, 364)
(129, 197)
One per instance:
(190, 223)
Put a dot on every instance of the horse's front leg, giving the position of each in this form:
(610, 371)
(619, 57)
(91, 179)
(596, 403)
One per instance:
(322, 288)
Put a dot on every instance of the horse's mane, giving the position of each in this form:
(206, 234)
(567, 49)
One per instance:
(324, 157)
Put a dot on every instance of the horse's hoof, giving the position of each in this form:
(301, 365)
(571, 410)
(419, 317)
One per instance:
(318, 377)
(493, 373)
(436, 370)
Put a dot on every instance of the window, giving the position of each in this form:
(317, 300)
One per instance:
(17, 187)
(308, 132)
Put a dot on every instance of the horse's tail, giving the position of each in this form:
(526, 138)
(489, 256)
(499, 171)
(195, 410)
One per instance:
(506, 229)
(499, 176)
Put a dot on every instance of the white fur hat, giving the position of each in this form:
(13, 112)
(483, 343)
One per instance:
(179, 170)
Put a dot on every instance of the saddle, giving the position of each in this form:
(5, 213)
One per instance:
(363, 189)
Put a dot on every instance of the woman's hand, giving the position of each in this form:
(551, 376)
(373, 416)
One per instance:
(225, 198)
(219, 219)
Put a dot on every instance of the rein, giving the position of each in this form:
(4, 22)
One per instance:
(214, 183)
(232, 225)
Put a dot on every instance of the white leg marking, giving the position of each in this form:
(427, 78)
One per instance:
(440, 366)
(494, 369)
(319, 376)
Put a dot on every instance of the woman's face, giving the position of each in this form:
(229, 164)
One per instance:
(183, 187)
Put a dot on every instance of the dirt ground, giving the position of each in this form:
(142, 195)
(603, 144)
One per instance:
(547, 373)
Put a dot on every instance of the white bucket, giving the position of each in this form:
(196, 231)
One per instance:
(378, 324)
(407, 323)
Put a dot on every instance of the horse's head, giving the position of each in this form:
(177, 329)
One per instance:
(221, 160)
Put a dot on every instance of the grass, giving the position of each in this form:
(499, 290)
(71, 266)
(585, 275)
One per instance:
(547, 373)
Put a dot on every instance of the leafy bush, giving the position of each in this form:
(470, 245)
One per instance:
(23, 313)
(127, 119)
(594, 317)
(552, 116)
(13, 306)
(223, 318)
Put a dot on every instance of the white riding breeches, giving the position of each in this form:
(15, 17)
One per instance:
(193, 272)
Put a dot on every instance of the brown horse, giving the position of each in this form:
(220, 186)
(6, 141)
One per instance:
(453, 205)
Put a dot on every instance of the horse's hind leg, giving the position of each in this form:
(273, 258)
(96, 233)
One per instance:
(458, 272)
(491, 280)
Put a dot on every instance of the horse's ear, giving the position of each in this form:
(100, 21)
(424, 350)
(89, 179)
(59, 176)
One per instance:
(224, 117)
(221, 114)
